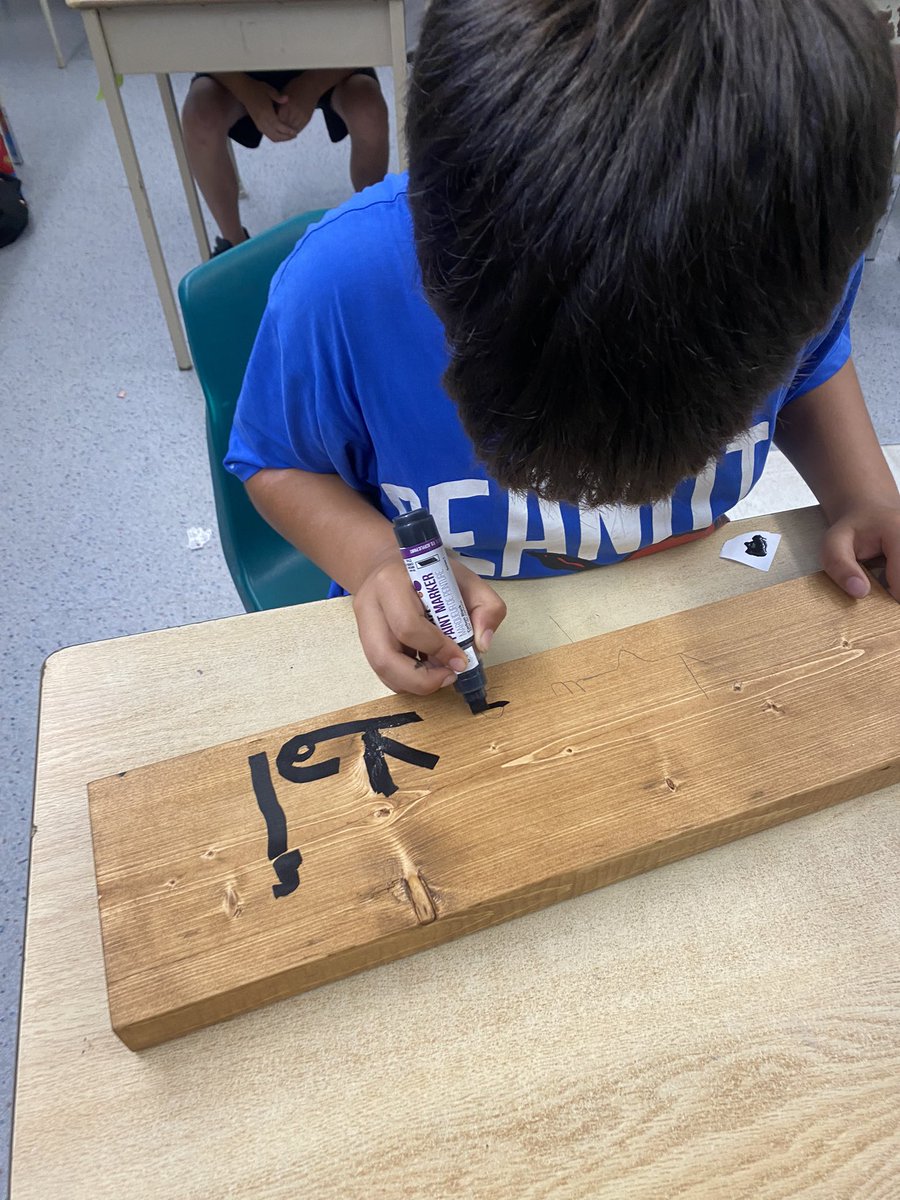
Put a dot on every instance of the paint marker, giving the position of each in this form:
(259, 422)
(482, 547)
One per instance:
(432, 577)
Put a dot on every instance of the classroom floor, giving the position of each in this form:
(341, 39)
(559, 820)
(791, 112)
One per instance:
(102, 435)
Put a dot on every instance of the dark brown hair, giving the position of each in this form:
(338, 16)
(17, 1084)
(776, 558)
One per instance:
(630, 216)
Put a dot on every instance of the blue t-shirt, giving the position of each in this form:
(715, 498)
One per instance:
(345, 378)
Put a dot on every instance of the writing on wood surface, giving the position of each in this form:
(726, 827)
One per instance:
(254, 870)
(298, 750)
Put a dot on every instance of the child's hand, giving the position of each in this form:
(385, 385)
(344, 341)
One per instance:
(353, 542)
(260, 101)
(861, 534)
(827, 434)
(393, 627)
(298, 104)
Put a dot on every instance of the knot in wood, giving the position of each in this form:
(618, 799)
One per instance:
(232, 905)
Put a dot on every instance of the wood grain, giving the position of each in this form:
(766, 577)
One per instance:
(614, 755)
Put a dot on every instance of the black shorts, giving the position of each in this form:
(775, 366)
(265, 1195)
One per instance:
(244, 130)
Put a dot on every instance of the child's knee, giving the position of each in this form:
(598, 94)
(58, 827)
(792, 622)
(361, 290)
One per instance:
(207, 109)
(363, 108)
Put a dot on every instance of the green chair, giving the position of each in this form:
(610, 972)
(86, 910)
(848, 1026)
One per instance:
(223, 301)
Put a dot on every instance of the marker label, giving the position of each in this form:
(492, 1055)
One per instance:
(433, 579)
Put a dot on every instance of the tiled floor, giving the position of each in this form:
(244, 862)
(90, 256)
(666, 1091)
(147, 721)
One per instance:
(101, 487)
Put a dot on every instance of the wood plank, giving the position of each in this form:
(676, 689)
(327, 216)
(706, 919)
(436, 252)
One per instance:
(612, 756)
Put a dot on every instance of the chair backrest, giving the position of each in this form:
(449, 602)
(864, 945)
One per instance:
(223, 301)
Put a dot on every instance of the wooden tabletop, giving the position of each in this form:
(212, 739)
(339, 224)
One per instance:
(728, 1026)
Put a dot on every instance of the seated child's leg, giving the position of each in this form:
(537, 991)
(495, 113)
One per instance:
(359, 102)
(209, 112)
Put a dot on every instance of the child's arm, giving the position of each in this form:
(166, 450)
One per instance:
(828, 436)
(351, 541)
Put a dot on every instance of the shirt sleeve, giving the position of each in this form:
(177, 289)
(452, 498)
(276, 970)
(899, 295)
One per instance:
(825, 355)
(298, 407)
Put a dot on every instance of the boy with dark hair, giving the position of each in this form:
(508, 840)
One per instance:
(628, 248)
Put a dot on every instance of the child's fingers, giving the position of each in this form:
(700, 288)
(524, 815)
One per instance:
(409, 625)
(279, 132)
(391, 622)
(485, 607)
(873, 533)
(839, 560)
(391, 664)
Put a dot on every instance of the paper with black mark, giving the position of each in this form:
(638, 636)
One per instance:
(755, 548)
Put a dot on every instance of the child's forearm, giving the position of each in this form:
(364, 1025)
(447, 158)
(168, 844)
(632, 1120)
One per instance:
(241, 86)
(827, 434)
(325, 519)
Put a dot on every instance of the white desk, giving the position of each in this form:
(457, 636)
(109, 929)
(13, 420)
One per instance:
(724, 1027)
(159, 37)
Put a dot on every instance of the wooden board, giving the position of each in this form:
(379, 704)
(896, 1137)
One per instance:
(612, 756)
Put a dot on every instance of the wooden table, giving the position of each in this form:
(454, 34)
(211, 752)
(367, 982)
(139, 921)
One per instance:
(158, 37)
(728, 1026)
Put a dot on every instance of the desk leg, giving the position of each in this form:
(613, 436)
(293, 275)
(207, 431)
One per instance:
(242, 191)
(164, 83)
(399, 66)
(125, 143)
(48, 17)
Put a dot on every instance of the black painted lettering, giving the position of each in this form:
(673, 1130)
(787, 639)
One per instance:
(292, 756)
(283, 860)
(375, 746)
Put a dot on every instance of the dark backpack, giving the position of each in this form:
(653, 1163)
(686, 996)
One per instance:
(13, 209)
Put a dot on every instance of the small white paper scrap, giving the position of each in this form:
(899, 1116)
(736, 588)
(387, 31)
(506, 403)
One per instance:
(754, 549)
(197, 537)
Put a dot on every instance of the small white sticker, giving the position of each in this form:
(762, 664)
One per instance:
(754, 549)
(197, 537)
